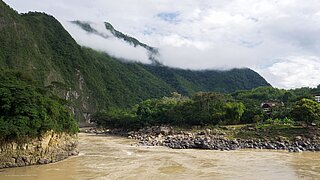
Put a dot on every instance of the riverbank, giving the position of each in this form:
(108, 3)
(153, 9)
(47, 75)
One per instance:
(48, 148)
(225, 138)
(111, 157)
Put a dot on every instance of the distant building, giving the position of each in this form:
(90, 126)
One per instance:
(268, 106)
(317, 98)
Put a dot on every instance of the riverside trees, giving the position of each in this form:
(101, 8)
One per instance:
(28, 110)
(306, 110)
(201, 109)
(210, 108)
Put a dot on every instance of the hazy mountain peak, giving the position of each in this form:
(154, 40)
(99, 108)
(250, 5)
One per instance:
(153, 52)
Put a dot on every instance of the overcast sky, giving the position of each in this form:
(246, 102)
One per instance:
(280, 39)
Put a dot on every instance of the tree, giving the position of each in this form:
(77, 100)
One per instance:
(306, 110)
(233, 112)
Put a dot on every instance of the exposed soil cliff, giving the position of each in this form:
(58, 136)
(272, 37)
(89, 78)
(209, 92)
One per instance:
(50, 147)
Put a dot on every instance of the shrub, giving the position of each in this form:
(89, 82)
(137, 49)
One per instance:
(278, 121)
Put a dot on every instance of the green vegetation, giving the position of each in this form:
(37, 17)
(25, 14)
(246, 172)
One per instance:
(268, 131)
(27, 110)
(38, 44)
(210, 109)
(307, 110)
(129, 95)
(288, 103)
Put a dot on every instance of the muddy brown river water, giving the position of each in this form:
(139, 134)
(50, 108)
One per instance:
(105, 157)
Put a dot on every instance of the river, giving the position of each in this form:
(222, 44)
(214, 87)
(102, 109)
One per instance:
(105, 157)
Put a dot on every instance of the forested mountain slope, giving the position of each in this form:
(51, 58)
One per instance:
(38, 45)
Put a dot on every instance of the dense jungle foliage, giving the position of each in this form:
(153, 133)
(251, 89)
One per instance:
(206, 109)
(28, 110)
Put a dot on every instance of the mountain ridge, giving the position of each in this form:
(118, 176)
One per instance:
(153, 52)
(38, 45)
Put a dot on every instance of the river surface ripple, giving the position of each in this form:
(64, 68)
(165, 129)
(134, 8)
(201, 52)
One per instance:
(105, 157)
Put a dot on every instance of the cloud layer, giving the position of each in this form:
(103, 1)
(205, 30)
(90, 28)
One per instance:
(111, 45)
(278, 38)
(287, 73)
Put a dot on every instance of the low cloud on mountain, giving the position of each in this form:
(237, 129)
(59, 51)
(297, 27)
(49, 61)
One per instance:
(278, 38)
(110, 44)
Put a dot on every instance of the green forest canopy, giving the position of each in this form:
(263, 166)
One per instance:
(28, 110)
(210, 108)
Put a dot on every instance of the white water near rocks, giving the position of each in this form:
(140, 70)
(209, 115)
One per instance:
(105, 157)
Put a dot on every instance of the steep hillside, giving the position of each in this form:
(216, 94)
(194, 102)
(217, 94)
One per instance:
(38, 45)
(188, 82)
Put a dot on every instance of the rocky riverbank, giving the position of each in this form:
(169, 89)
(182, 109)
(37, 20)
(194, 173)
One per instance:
(50, 147)
(212, 139)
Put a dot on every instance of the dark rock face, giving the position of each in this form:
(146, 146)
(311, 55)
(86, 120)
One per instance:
(49, 148)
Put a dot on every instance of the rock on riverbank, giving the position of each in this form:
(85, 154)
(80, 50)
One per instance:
(212, 140)
(50, 147)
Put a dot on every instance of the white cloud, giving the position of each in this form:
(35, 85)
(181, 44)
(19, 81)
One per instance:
(267, 35)
(294, 72)
(111, 45)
